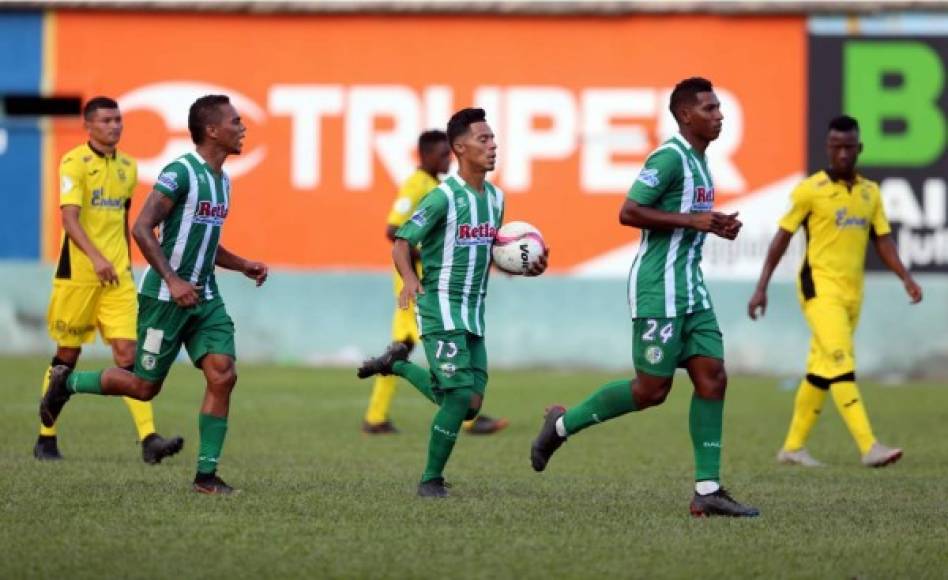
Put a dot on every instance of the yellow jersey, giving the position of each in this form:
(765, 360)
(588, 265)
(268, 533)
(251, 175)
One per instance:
(410, 193)
(102, 186)
(838, 221)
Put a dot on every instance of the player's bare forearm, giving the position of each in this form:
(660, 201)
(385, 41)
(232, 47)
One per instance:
(778, 247)
(229, 260)
(889, 254)
(639, 216)
(157, 207)
(401, 255)
(70, 216)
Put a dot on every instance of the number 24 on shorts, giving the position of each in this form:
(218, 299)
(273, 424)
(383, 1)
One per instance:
(665, 334)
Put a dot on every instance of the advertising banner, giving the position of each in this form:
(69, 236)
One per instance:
(894, 84)
(334, 105)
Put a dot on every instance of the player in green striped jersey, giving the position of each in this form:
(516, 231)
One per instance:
(455, 224)
(179, 302)
(673, 320)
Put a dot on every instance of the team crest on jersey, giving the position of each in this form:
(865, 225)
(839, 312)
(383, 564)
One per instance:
(482, 234)
(168, 180)
(704, 199)
(121, 174)
(649, 177)
(210, 213)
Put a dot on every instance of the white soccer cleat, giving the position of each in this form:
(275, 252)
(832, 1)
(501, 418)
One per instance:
(879, 455)
(799, 457)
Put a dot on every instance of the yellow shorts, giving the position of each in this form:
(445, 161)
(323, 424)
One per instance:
(404, 323)
(832, 322)
(77, 310)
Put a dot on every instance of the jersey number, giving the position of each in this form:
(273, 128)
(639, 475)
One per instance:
(450, 352)
(665, 333)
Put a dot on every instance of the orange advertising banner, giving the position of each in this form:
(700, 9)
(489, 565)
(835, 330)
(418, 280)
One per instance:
(334, 105)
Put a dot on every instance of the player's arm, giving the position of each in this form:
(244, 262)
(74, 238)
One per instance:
(258, 271)
(431, 211)
(72, 175)
(157, 208)
(889, 254)
(401, 255)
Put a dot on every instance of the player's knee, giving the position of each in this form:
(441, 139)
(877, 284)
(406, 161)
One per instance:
(650, 395)
(223, 380)
(146, 390)
(714, 384)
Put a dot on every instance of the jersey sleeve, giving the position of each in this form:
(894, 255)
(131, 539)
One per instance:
(880, 223)
(405, 202)
(801, 202)
(173, 181)
(72, 180)
(661, 172)
(432, 211)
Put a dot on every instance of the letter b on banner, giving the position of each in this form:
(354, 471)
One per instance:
(892, 88)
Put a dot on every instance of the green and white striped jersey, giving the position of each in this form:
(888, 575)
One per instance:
(190, 234)
(455, 226)
(665, 280)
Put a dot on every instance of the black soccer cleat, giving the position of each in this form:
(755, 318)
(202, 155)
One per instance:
(210, 484)
(52, 403)
(435, 488)
(383, 428)
(155, 448)
(548, 441)
(46, 448)
(382, 364)
(720, 503)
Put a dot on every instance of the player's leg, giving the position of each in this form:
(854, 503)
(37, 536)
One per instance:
(405, 330)
(71, 323)
(656, 346)
(807, 406)
(703, 354)
(455, 390)
(210, 344)
(478, 423)
(394, 361)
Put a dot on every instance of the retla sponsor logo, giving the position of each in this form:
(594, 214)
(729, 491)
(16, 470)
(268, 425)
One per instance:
(704, 199)
(210, 213)
(482, 234)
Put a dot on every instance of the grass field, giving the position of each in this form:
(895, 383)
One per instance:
(321, 500)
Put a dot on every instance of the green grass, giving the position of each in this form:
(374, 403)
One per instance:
(322, 501)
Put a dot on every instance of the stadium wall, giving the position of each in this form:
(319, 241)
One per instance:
(334, 103)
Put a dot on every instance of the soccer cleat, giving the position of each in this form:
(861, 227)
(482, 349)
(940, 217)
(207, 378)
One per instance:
(799, 457)
(384, 428)
(155, 448)
(51, 405)
(382, 364)
(210, 484)
(720, 503)
(879, 455)
(46, 448)
(548, 441)
(435, 488)
(484, 425)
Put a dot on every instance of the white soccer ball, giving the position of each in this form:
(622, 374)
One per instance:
(517, 247)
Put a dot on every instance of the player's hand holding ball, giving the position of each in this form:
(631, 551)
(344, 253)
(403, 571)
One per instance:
(519, 249)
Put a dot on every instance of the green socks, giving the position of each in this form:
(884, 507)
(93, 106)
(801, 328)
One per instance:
(419, 377)
(213, 430)
(85, 382)
(610, 401)
(704, 422)
(444, 430)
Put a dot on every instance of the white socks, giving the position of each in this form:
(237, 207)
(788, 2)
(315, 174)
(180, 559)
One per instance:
(561, 427)
(706, 487)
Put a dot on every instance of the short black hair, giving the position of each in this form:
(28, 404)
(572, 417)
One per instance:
(429, 139)
(843, 124)
(96, 103)
(204, 111)
(686, 93)
(462, 120)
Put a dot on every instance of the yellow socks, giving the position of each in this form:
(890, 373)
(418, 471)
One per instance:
(849, 403)
(46, 431)
(806, 410)
(142, 414)
(381, 400)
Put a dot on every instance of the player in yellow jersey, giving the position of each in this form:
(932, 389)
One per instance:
(93, 287)
(840, 211)
(434, 158)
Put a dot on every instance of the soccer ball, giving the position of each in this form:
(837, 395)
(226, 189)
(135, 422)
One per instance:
(517, 247)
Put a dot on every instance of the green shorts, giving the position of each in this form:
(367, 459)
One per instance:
(660, 345)
(457, 359)
(164, 326)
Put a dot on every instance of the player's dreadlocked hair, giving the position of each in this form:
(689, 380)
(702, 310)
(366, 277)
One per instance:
(686, 93)
(96, 103)
(462, 120)
(205, 111)
(429, 139)
(843, 124)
